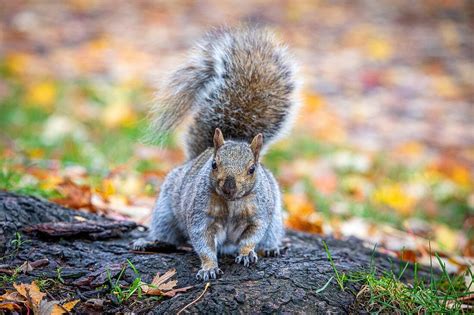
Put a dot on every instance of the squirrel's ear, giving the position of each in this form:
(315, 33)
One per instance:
(256, 145)
(218, 139)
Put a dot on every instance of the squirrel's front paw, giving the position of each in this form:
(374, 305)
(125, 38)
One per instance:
(246, 260)
(206, 274)
(141, 244)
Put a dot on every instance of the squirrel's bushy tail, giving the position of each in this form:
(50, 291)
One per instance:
(240, 80)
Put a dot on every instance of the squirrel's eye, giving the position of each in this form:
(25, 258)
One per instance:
(214, 164)
(252, 169)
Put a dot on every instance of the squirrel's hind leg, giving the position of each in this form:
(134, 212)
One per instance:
(270, 244)
(163, 228)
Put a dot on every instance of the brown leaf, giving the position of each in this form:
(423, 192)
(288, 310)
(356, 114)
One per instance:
(74, 196)
(161, 286)
(175, 291)
(10, 306)
(26, 267)
(408, 255)
(13, 296)
(31, 292)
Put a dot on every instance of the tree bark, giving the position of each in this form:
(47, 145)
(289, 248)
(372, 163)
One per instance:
(84, 251)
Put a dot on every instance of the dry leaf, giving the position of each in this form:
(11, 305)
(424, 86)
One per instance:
(302, 215)
(75, 196)
(64, 308)
(175, 291)
(10, 306)
(161, 286)
(30, 292)
(12, 296)
(30, 296)
(70, 305)
(26, 267)
(407, 255)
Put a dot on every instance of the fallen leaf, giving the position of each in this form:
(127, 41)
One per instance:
(70, 305)
(396, 197)
(161, 286)
(26, 267)
(407, 255)
(74, 195)
(31, 292)
(42, 94)
(302, 215)
(64, 308)
(10, 306)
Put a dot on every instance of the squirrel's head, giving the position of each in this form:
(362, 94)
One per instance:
(235, 166)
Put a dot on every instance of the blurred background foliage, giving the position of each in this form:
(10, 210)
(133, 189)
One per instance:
(382, 149)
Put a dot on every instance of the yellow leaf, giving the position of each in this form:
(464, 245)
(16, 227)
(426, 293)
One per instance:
(395, 197)
(50, 182)
(106, 189)
(379, 49)
(16, 63)
(118, 114)
(57, 310)
(36, 153)
(313, 102)
(42, 94)
(30, 291)
(461, 175)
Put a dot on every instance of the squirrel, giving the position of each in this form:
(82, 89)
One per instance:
(238, 84)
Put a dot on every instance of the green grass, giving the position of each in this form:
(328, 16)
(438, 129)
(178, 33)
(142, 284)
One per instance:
(385, 292)
(124, 293)
(341, 278)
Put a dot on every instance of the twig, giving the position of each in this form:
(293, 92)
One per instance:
(197, 299)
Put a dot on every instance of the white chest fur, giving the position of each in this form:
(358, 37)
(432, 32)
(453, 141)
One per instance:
(231, 227)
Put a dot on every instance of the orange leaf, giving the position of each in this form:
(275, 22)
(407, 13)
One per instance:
(70, 305)
(75, 196)
(10, 306)
(63, 309)
(408, 255)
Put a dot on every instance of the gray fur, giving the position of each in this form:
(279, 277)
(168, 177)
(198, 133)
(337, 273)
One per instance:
(241, 80)
(181, 213)
(222, 200)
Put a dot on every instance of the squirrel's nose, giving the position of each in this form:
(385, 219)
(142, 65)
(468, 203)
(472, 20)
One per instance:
(229, 187)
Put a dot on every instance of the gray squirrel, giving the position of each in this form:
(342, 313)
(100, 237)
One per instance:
(239, 83)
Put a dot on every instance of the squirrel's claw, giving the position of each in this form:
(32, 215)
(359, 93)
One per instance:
(246, 260)
(206, 274)
(141, 244)
(275, 252)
